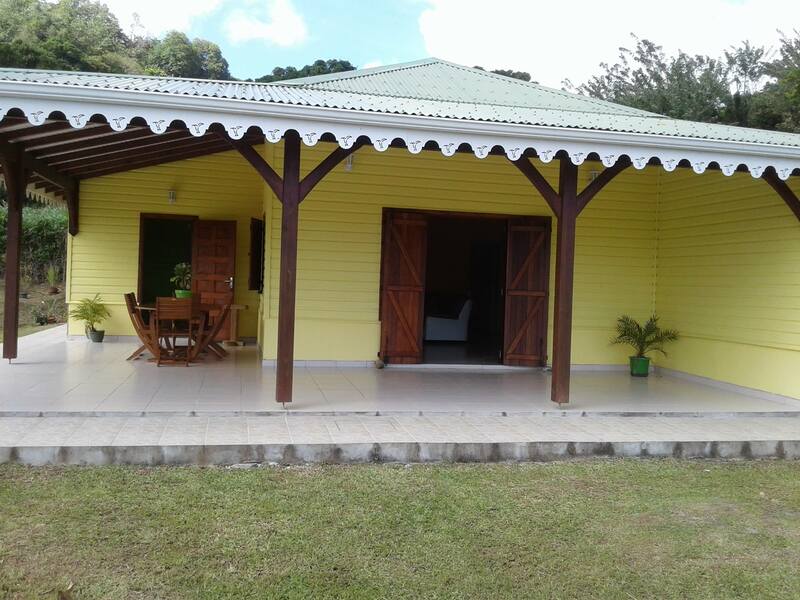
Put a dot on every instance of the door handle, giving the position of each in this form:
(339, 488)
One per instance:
(230, 281)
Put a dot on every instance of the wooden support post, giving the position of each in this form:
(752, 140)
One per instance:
(288, 276)
(565, 271)
(291, 191)
(16, 178)
(566, 205)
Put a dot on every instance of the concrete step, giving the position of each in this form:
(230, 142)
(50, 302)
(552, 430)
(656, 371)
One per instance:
(355, 438)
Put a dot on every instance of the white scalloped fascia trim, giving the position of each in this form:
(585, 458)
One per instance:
(119, 107)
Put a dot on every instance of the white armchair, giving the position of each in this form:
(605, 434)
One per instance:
(440, 329)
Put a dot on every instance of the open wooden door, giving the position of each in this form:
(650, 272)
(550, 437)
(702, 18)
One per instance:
(405, 244)
(527, 280)
(214, 264)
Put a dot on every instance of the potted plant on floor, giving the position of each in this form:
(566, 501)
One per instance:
(643, 339)
(92, 312)
(52, 279)
(25, 284)
(182, 280)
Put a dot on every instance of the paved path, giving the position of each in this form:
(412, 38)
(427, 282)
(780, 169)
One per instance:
(404, 438)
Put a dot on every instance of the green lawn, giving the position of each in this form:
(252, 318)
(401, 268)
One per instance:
(595, 529)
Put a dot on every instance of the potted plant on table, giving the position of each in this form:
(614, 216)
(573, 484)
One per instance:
(182, 280)
(644, 339)
(92, 312)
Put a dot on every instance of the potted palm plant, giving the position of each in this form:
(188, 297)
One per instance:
(182, 280)
(52, 279)
(644, 339)
(92, 312)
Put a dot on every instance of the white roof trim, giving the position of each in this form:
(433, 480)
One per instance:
(37, 101)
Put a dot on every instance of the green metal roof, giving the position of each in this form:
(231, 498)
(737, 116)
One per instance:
(438, 80)
(426, 88)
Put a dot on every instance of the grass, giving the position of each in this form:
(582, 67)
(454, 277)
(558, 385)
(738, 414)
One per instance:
(594, 529)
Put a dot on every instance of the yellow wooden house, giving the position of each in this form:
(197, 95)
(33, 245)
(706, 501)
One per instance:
(422, 212)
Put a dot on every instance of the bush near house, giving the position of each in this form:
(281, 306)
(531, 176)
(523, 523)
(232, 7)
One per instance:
(44, 241)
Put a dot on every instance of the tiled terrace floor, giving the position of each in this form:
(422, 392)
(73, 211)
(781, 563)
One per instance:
(55, 375)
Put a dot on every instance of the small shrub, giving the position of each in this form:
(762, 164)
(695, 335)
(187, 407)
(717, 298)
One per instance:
(91, 311)
(643, 338)
(44, 240)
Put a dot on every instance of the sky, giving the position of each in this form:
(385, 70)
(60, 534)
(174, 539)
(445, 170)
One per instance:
(552, 40)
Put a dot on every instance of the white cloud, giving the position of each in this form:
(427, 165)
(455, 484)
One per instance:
(283, 25)
(159, 16)
(371, 64)
(569, 38)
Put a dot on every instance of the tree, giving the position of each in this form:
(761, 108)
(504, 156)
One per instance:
(178, 56)
(318, 67)
(83, 35)
(746, 71)
(778, 105)
(174, 56)
(212, 64)
(69, 34)
(684, 86)
(521, 75)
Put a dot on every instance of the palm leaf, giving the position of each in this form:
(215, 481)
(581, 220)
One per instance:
(643, 339)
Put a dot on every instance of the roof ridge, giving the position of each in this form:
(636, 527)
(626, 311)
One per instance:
(356, 73)
(311, 81)
(546, 88)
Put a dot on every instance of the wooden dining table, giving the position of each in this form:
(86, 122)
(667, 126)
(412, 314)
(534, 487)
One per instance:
(203, 312)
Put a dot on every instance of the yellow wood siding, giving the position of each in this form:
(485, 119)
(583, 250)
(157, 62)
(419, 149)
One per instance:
(729, 280)
(340, 235)
(104, 256)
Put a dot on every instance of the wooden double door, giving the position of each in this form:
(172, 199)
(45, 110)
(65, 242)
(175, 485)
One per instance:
(403, 275)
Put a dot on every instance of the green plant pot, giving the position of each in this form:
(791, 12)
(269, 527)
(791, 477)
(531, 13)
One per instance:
(640, 366)
(183, 293)
(96, 336)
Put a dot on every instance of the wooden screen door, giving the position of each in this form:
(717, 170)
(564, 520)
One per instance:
(527, 279)
(214, 264)
(405, 244)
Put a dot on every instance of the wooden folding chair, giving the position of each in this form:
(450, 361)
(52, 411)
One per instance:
(211, 331)
(146, 333)
(175, 319)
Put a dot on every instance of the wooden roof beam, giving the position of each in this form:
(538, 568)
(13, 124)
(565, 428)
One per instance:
(41, 168)
(131, 148)
(102, 142)
(601, 181)
(541, 184)
(326, 166)
(159, 158)
(168, 154)
(783, 190)
(37, 132)
(89, 131)
(251, 155)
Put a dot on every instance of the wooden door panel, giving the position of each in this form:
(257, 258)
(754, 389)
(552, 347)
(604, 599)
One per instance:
(527, 281)
(405, 244)
(214, 264)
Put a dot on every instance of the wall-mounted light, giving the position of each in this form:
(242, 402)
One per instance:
(172, 196)
(348, 163)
